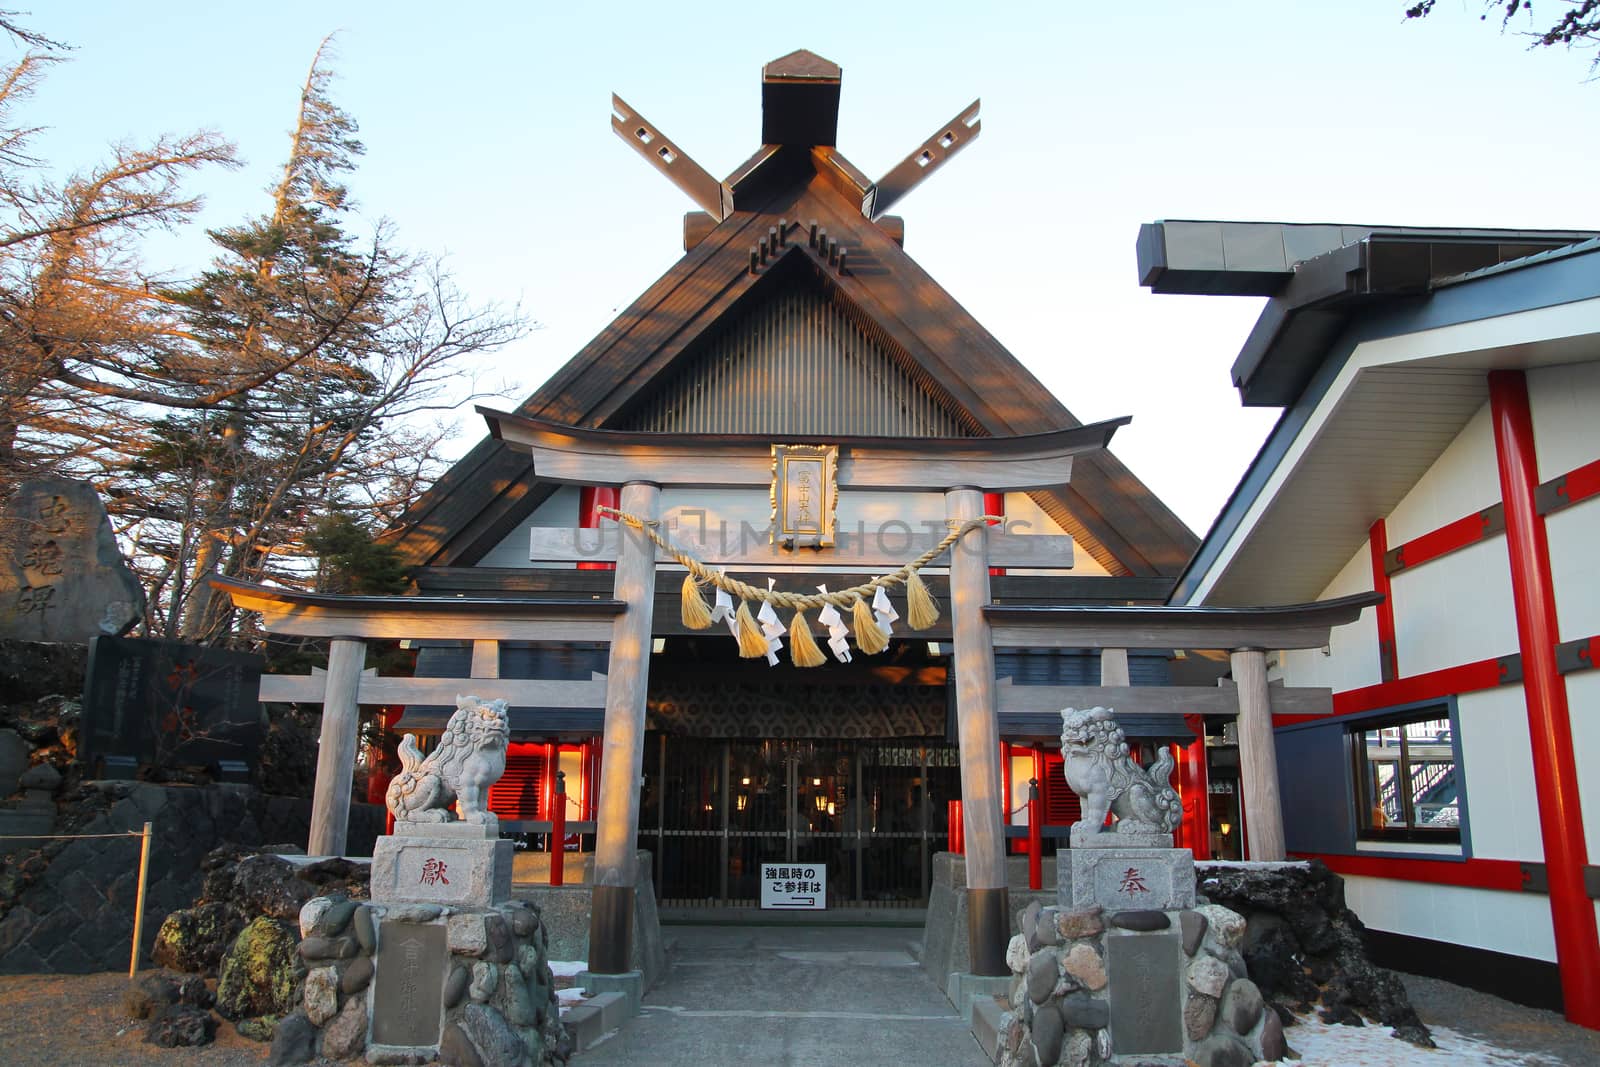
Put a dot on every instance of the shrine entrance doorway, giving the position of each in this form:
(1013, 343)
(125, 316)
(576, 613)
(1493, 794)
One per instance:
(872, 812)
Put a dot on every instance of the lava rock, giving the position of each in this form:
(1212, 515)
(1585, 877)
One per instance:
(261, 1028)
(260, 972)
(294, 1041)
(193, 991)
(182, 1027)
(267, 885)
(194, 939)
(149, 997)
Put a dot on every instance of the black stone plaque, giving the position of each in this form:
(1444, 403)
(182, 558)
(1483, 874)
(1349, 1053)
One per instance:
(1146, 1015)
(408, 983)
(170, 704)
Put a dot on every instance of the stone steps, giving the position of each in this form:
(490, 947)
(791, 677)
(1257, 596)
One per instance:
(985, 1019)
(590, 1020)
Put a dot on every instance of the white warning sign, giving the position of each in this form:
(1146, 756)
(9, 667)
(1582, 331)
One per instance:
(794, 887)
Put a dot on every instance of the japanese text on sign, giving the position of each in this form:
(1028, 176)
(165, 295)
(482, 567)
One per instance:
(794, 887)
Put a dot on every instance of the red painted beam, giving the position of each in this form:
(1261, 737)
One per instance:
(1388, 658)
(1579, 484)
(1448, 681)
(1471, 873)
(1441, 542)
(1555, 771)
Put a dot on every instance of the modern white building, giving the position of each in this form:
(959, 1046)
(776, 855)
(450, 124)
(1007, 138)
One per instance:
(1439, 444)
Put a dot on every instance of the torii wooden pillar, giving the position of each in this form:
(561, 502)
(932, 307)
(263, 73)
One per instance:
(622, 752)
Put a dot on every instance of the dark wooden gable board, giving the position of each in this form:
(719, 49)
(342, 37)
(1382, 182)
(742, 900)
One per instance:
(491, 490)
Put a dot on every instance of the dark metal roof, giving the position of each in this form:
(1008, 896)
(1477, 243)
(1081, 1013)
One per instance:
(1317, 276)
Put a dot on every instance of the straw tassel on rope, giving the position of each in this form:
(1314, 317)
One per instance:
(922, 611)
(696, 612)
(802, 646)
(752, 642)
(869, 638)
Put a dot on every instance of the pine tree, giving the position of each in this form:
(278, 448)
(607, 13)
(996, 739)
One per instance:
(347, 340)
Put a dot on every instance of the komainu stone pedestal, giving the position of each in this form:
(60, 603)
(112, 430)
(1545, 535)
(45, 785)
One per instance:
(1126, 879)
(460, 864)
(441, 965)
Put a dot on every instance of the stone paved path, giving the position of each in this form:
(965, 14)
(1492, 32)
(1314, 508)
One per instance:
(788, 995)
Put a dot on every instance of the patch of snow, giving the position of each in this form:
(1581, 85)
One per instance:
(1323, 1044)
(572, 995)
(1255, 865)
(567, 968)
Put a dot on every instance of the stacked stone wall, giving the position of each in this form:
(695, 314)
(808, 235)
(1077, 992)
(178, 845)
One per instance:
(499, 1001)
(1061, 1010)
(67, 906)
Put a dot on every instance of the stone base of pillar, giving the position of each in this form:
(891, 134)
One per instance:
(630, 984)
(611, 929)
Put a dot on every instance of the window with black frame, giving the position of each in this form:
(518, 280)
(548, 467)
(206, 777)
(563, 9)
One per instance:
(1408, 782)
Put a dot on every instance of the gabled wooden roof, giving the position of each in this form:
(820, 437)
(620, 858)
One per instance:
(491, 490)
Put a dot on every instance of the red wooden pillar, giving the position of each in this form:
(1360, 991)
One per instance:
(1193, 786)
(1555, 772)
(995, 504)
(1005, 793)
(1388, 657)
(590, 499)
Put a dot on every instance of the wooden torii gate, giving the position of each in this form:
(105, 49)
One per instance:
(959, 469)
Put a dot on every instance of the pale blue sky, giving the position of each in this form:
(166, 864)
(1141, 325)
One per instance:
(488, 136)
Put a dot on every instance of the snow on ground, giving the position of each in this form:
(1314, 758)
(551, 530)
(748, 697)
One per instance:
(567, 968)
(1254, 865)
(1323, 1044)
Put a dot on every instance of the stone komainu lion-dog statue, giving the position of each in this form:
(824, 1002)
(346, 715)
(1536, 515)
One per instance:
(470, 758)
(1094, 756)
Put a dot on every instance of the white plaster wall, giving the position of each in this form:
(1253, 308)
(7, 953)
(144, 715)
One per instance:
(1583, 701)
(560, 510)
(1464, 479)
(1565, 401)
(1455, 609)
(1514, 923)
(1574, 537)
(1502, 809)
(1352, 658)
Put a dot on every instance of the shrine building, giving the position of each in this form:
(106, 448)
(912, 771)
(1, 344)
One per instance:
(795, 411)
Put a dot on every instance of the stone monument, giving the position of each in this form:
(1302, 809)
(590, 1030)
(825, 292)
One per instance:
(1125, 969)
(62, 577)
(444, 965)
